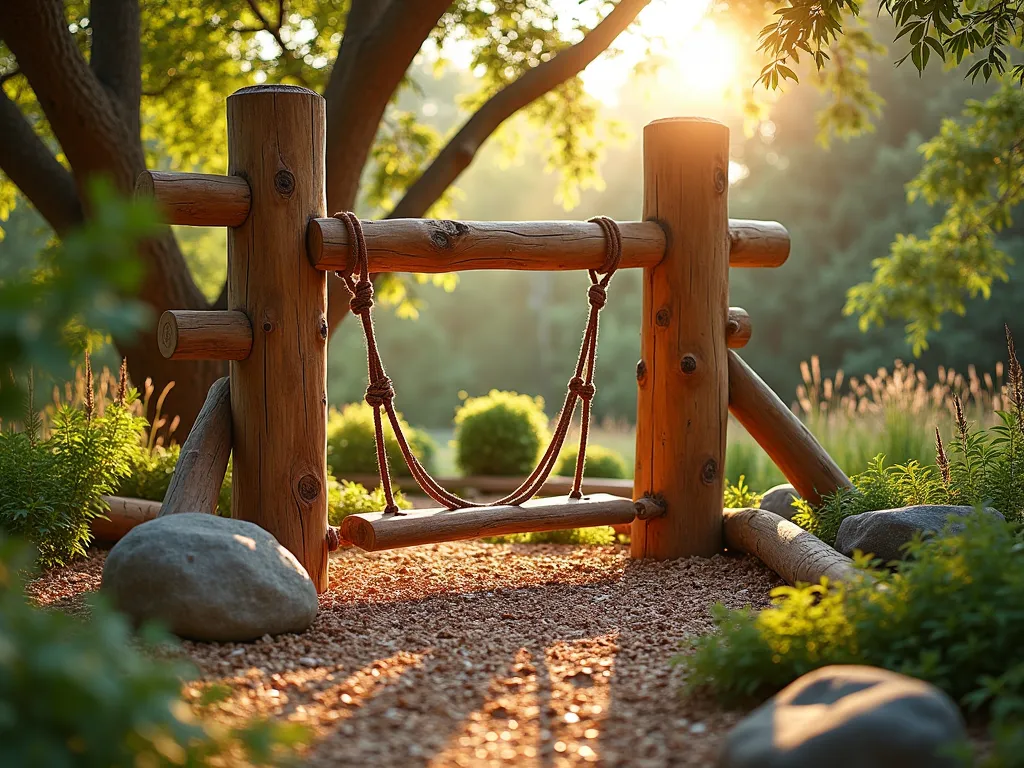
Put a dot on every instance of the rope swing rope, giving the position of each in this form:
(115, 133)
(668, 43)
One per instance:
(380, 393)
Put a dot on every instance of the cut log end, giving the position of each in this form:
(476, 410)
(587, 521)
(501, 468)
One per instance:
(738, 328)
(196, 199)
(204, 335)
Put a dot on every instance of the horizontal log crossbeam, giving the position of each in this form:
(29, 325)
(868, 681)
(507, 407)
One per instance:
(204, 335)
(378, 531)
(431, 246)
(197, 199)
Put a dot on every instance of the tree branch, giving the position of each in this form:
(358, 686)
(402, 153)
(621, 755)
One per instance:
(80, 109)
(460, 151)
(115, 55)
(28, 162)
(375, 54)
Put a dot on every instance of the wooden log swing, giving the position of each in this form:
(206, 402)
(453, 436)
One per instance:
(271, 413)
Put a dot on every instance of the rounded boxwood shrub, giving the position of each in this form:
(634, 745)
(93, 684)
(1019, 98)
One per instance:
(601, 462)
(351, 449)
(501, 433)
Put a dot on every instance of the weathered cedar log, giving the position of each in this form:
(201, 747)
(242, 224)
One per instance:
(682, 407)
(781, 434)
(738, 328)
(197, 199)
(377, 531)
(199, 473)
(426, 245)
(204, 335)
(786, 548)
(123, 515)
(279, 393)
(757, 243)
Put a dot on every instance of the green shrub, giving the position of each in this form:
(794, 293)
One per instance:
(151, 473)
(601, 462)
(950, 615)
(51, 484)
(501, 433)
(76, 693)
(740, 496)
(351, 448)
(600, 536)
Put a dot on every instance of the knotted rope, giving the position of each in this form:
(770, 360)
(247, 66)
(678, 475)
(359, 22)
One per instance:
(380, 394)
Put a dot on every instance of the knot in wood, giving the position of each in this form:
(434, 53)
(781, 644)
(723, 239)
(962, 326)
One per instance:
(324, 330)
(709, 472)
(362, 300)
(167, 335)
(267, 326)
(721, 180)
(582, 389)
(688, 364)
(333, 539)
(309, 488)
(379, 393)
(444, 233)
(598, 296)
(662, 317)
(641, 370)
(284, 183)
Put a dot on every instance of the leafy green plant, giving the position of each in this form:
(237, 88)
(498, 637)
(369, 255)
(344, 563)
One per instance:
(150, 473)
(51, 484)
(351, 446)
(501, 433)
(949, 615)
(601, 462)
(84, 693)
(740, 496)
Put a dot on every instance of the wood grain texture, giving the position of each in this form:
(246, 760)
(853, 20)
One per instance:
(429, 246)
(781, 434)
(377, 531)
(123, 515)
(683, 388)
(197, 199)
(204, 335)
(279, 393)
(738, 328)
(786, 548)
(757, 243)
(199, 473)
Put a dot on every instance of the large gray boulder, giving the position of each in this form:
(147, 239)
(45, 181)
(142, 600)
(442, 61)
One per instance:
(849, 717)
(209, 578)
(780, 500)
(884, 532)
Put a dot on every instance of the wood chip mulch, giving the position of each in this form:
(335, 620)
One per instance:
(475, 654)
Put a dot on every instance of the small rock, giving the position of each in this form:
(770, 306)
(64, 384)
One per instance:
(209, 578)
(698, 728)
(308, 661)
(884, 532)
(780, 500)
(848, 717)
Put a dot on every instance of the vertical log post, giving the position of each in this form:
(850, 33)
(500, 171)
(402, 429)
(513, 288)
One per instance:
(279, 393)
(682, 375)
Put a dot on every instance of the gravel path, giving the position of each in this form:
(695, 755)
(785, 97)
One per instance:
(474, 655)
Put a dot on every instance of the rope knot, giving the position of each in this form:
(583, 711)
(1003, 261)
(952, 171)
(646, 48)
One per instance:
(333, 539)
(380, 392)
(598, 296)
(581, 389)
(362, 298)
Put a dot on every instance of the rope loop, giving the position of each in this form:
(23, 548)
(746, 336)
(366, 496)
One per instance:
(333, 539)
(598, 296)
(362, 298)
(379, 392)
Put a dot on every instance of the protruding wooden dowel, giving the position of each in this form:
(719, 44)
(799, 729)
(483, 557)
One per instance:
(782, 435)
(738, 328)
(197, 199)
(425, 245)
(377, 531)
(204, 335)
(785, 547)
(757, 243)
(199, 473)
